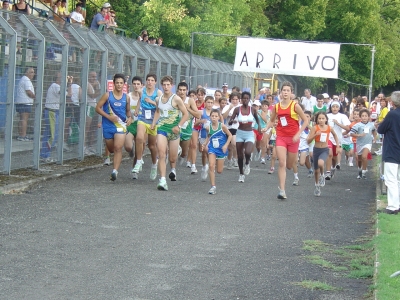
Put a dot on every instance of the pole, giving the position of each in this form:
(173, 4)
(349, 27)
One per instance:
(190, 61)
(372, 73)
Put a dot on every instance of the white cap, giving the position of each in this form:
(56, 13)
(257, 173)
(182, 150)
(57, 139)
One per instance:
(225, 84)
(335, 103)
(257, 102)
(325, 95)
(106, 5)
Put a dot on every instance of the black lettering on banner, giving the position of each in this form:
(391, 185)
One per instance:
(259, 61)
(334, 63)
(244, 59)
(294, 61)
(275, 61)
(313, 66)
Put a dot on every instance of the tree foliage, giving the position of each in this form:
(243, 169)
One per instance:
(374, 22)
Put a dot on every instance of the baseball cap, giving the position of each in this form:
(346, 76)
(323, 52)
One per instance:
(106, 5)
(257, 102)
(225, 84)
(325, 95)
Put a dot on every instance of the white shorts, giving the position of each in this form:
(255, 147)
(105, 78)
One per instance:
(361, 148)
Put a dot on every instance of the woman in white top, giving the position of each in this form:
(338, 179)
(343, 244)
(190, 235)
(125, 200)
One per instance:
(227, 113)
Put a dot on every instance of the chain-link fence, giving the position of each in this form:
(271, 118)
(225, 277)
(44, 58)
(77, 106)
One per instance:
(52, 74)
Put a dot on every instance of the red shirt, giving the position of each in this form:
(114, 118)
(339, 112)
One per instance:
(288, 120)
(201, 107)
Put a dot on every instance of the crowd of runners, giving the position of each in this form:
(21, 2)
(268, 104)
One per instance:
(232, 130)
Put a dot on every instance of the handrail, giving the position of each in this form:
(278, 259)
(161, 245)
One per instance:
(51, 9)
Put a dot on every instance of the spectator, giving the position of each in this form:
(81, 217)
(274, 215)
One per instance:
(390, 128)
(236, 89)
(160, 42)
(22, 7)
(51, 121)
(23, 103)
(63, 10)
(152, 41)
(344, 102)
(144, 32)
(225, 91)
(261, 94)
(107, 6)
(93, 91)
(98, 19)
(145, 38)
(112, 22)
(76, 15)
(361, 103)
(5, 6)
(327, 100)
(308, 100)
(53, 13)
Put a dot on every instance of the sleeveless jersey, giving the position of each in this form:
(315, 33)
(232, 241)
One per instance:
(187, 126)
(288, 120)
(115, 107)
(218, 139)
(244, 119)
(133, 107)
(169, 115)
(327, 132)
(147, 110)
(201, 107)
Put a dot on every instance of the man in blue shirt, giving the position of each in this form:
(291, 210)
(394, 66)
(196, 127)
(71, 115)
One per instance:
(390, 128)
(98, 19)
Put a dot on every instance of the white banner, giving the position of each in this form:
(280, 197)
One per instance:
(287, 57)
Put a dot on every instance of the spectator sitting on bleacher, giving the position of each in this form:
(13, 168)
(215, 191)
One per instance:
(152, 41)
(160, 42)
(22, 7)
(145, 38)
(76, 15)
(98, 19)
(63, 10)
(5, 6)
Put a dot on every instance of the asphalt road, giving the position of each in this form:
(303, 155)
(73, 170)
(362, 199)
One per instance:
(85, 237)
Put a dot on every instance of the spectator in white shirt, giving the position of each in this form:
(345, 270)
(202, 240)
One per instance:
(308, 100)
(76, 15)
(24, 101)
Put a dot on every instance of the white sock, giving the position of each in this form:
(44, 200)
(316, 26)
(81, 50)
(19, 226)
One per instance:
(162, 178)
(351, 159)
(173, 170)
(154, 165)
(296, 175)
(115, 171)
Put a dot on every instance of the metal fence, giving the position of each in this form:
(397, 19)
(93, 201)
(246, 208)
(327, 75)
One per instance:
(59, 122)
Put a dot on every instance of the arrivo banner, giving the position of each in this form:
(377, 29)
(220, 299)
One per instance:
(299, 58)
(110, 87)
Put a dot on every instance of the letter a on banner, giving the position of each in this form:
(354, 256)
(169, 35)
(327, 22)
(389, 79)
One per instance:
(312, 59)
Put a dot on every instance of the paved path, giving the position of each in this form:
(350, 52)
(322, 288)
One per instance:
(85, 237)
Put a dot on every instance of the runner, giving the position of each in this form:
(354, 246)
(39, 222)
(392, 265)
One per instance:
(365, 133)
(186, 131)
(288, 133)
(134, 96)
(320, 133)
(349, 142)
(217, 142)
(246, 115)
(272, 146)
(340, 122)
(145, 111)
(201, 93)
(264, 119)
(227, 114)
(320, 105)
(168, 115)
(114, 107)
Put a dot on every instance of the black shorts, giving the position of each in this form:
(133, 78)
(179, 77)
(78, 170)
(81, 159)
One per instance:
(232, 131)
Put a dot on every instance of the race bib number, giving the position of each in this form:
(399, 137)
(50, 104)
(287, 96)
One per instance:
(185, 125)
(366, 129)
(323, 137)
(165, 113)
(120, 129)
(215, 143)
(245, 119)
(147, 114)
(283, 121)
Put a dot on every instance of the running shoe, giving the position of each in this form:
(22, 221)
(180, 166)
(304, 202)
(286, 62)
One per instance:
(333, 173)
(257, 156)
(188, 164)
(135, 176)
(193, 169)
(235, 163)
(268, 157)
(247, 169)
(204, 173)
(282, 194)
(179, 150)
(153, 172)
(213, 190)
(351, 164)
(113, 176)
(321, 181)
(317, 191)
(363, 175)
(162, 185)
(230, 164)
(296, 181)
(107, 161)
(310, 173)
(138, 166)
(263, 160)
(241, 178)
(172, 175)
(328, 175)
(338, 166)
(271, 170)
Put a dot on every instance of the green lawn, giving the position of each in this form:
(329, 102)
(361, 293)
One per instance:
(388, 255)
